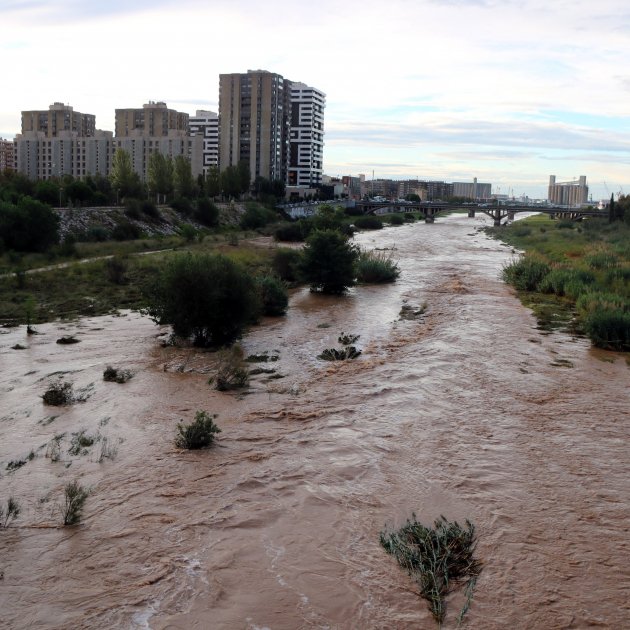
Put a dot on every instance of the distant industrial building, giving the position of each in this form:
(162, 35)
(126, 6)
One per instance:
(56, 119)
(573, 193)
(475, 190)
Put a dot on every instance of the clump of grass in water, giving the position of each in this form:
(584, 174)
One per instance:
(438, 559)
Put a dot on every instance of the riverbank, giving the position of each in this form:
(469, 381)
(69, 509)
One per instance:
(573, 275)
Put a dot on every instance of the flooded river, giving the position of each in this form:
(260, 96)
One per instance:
(467, 410)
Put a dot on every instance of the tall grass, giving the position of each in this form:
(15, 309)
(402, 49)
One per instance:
(526, 273)
(376, 268)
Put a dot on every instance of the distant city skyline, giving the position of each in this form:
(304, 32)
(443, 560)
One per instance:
(508, 92)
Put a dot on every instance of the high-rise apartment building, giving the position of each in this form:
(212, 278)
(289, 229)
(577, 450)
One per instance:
(7, 156)
(253, 123)
(573, 193)
(57, 119)
(206, 125)
(152, 119)
(306, 139)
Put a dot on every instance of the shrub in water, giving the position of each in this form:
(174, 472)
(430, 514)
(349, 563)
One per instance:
(231, 370)
(207, 296)
(59, 393)
(328, 262)
(11, 512)
(396, 219)
(368, 222)
(526, 273)
(438, 558)
(75, 496)
(376, 267)
(199, 434)
(273, 295)
(115, 375)
(609, 329)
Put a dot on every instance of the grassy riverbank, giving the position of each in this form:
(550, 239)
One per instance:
(103, 285)
(575, 274)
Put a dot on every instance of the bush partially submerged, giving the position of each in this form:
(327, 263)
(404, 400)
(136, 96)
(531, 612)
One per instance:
(273, 295)
(437, 558)
(59, 393)
(11, 512)
(75, 496)
(199, 434)
(376, 267)
(115, 375)
(347, 352)
(231, 370)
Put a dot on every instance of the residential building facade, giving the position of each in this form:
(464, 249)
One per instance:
(306, 139)
(7, 155)
(253, 123)
(153, 119)
(206, 125)
(39, 156)
(58, 118)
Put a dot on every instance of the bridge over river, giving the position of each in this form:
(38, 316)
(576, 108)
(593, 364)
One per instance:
(497, 212)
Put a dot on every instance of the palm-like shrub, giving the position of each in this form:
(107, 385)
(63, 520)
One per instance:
(376, 267)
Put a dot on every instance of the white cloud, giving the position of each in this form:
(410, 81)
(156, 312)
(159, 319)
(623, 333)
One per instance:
(473, 76)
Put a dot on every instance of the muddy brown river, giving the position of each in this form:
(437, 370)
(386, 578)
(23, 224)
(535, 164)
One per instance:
(467, 410)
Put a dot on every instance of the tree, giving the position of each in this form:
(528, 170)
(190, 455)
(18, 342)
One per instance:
(28, 226)
(208, 297)
(123, 178)
(183, 178)
(230, 182)
(244, 178)
(47, 191)
(207, 213)
(328, 262)
(213, 182)
(79, 192)
(160, 174)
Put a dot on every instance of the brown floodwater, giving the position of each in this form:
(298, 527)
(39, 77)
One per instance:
(468, 410)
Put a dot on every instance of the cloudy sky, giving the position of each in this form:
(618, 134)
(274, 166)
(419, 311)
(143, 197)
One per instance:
(509, 91)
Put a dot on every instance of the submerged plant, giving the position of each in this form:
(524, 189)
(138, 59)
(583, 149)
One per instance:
(115, 375)
(437, 558)
(11, 512)
(59, 393)
(199, 434)
(75, 496)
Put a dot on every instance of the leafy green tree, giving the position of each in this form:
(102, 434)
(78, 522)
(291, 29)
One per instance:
(124, 179)
(208, 297)
(213, 182)
(47, 191)
(244, 177)
(28, 226)
(328, 262)
(160, 175)
(230, 182)
(183, 178)
(79, 192)
(207, 213)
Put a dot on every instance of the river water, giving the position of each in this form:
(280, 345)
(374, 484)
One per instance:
(468, 411)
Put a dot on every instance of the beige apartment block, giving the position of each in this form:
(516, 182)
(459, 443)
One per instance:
(7, 156)
(57, 119)
(152, 119)
(253, 123)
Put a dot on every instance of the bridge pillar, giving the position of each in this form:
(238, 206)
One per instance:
(471, 213)
(429, 218)
(510, 215)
